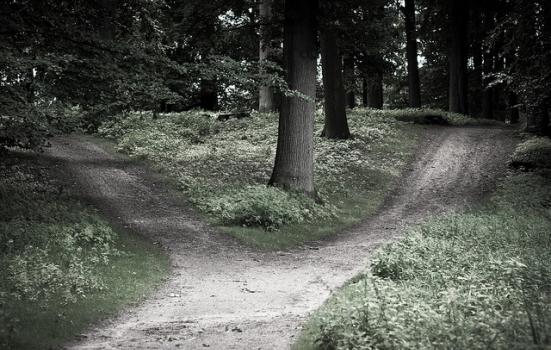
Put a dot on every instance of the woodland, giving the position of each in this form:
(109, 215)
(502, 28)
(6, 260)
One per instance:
(247, 174)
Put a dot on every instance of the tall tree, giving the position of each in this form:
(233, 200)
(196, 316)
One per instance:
(411, 53)
(374, 91)
(336, 124)
(458, 18)
(294, 161)
(266, 101)
(349, 80)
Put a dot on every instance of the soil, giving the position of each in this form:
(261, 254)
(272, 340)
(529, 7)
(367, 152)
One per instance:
(223, 295)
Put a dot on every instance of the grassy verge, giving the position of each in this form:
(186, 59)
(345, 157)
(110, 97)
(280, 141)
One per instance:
(223, 167)
(438, 117)
(534, 153)
(63, 267)
(474, 280)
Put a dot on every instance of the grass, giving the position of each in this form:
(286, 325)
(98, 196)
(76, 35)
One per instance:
(479, 279)
(533, 153)
(222, 167)
(64, 268)
(438, 117)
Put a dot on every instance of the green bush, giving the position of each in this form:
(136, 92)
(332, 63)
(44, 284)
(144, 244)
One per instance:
(264, 206)
(47, 249)
(534, 153)
(62, 268)
(475, 280)
(436, 116)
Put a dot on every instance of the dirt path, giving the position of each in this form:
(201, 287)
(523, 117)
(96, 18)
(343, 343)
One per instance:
(223, 296)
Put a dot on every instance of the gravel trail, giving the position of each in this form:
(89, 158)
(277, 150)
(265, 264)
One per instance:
(221, 295)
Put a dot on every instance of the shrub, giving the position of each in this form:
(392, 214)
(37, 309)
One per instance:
(534, 153)
(475, 280)
(264, 206)
(438, 117)
(47, 248)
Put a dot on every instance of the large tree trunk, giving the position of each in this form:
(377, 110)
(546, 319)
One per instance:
(208, 95)
(375, 90)
(336, 124)
(349, 83)
(266, 100)
(457, 56)
(411, 49)
(365, 100)
(294, 161)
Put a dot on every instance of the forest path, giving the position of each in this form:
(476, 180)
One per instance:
(221, 295)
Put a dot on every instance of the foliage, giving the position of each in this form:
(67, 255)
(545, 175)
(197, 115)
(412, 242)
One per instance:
(533, 153)
(46, 249)
(50, 48)
(62, 266)
(436, 116)
(473, 280)
(223, 166)
(268, 207)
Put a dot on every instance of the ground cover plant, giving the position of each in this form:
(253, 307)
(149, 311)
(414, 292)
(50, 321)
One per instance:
(223, 168)
(533, 153)
(426, 116)
(63, 267)
(480, 279)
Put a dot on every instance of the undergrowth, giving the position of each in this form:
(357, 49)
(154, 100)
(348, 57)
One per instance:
(480, 279)
(63, 267)
(534, 152)
(437, 117)
(223, 168)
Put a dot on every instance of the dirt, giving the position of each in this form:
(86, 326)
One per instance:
(222, 295)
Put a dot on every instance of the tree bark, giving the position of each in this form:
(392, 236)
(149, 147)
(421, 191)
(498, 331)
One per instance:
(294, 161)
(266, 99)
(411, 53)
(457, 57)
(375, 90)
(336, 124)
(512, 101)
(365, 101)
(349, 83)
(208, 95)
(537, 119)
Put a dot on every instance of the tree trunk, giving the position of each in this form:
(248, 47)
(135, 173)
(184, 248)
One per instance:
(208, 95)
(349, 82)
(512, 101)
(375, 90)
(537, 119)
(294, 161)
(266, 100)
(336, 124)
(411, 49)
(457, 56)
(365, 100)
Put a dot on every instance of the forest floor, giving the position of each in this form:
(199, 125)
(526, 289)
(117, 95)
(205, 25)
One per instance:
(223, 295)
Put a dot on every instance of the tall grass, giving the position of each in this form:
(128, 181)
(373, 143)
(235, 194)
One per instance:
(480, 279)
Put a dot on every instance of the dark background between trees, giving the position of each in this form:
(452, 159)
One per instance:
(66, 64)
